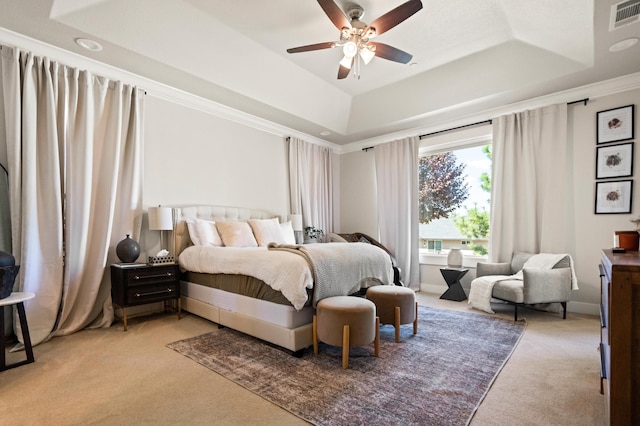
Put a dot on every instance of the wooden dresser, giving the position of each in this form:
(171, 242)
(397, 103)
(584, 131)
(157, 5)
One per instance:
(620, 337)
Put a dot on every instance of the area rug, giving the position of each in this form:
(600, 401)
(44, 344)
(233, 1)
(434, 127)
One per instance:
(437, 377)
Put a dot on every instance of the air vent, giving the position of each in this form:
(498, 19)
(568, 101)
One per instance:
(624, 13)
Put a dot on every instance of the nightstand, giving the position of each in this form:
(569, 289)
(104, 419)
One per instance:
(139, 284)
(452, 277)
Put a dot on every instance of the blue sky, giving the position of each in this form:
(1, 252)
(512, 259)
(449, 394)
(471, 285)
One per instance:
(477, 163)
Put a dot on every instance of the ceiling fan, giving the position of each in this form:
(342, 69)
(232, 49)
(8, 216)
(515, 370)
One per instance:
(355, 35)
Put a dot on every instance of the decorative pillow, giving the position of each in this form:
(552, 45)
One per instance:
(266, 231)
(208, 233)
(193, 232)
(236, 234)
(287, 233)
(203, 232)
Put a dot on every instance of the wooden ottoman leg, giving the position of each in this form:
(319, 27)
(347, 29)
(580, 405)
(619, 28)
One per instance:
(315, 334)
(376, 342)
(396, 323)
(415, 322)
(345, 347)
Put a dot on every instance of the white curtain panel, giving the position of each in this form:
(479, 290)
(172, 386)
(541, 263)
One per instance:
(532, 181)
(397, 189)
(74, 144)
(310, 185)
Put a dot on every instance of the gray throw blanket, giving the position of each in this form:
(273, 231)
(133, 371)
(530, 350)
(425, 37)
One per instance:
(340, 268)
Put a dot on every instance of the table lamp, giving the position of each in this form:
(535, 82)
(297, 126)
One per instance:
(296, 224)
(160, 219)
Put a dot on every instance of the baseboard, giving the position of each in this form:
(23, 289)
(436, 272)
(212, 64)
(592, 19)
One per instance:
(576, 307)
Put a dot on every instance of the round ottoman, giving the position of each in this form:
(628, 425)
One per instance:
(346, 321)
(395, 305)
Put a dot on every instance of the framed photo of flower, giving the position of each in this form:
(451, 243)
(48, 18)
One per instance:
(615, 124)
(614, 197)
(614, 161)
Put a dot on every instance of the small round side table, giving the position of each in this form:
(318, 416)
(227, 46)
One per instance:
(16, 298)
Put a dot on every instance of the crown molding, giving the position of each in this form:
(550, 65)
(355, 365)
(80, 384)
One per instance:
(591, 91)
(154, 88)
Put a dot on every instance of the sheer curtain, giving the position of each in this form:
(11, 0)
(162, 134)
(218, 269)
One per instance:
(74, 145)
(397, 186)
(532, 183)
(310, 185)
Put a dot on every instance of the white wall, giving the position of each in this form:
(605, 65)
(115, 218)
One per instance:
(593, 232)
(194, 157)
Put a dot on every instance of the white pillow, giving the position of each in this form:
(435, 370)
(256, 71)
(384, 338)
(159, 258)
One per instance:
(208, 233)
(203, 232)
(266, 231)
(287, 233)
(236, 234)
(193, 232)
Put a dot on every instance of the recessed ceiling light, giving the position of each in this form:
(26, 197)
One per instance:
(325, 133)
(623, 44)
(88, 44)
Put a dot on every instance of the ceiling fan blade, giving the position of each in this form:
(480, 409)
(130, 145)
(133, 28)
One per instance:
(310, 47)
(395, 16)
(385, 51)
(335, 14)
(343, 72)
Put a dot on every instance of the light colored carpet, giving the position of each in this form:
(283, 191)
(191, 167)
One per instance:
(437, 376)
(112, 377)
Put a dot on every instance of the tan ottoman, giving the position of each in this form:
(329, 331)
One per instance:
(346, 321)
(395, 305)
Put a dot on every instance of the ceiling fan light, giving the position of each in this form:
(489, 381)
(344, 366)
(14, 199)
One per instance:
(350, 49)
(366, 54)
(346, 62)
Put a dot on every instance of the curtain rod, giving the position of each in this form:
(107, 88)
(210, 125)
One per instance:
(584, 101)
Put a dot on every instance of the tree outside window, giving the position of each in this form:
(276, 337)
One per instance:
(454, 199)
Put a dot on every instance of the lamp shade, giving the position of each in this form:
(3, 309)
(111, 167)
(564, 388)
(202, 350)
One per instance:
(160, 218)
(296, 221)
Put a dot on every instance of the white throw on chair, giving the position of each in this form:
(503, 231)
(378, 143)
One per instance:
(528, 279)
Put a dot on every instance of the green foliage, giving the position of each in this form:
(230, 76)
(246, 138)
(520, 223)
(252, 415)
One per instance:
(442, 186)
(475, 224)
(313, 233)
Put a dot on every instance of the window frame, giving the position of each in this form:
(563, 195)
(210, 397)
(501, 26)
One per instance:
(451, 141)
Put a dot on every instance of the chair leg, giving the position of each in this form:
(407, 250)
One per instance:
(376, 342)
(396, 323)
(564, 310)
(415, 322)
(315, 334)
(515, 312)
(345, 347)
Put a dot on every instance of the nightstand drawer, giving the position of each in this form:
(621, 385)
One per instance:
(155, 274)
(153, 292)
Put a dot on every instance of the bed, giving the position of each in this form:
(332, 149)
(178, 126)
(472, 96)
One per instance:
(280, 312)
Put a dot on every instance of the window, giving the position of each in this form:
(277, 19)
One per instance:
(434, 245)
(454, 198)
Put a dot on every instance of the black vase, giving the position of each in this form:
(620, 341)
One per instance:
(7, 259)
(7, 280)
(128, 250)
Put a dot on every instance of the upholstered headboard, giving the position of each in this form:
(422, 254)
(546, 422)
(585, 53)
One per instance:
(181, 239)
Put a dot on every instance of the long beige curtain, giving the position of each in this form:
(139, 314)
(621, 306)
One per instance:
(310, 185)
(74, 145)
(532, 183)
(397, 189)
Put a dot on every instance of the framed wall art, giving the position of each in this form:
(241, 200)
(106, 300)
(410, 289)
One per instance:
(614, 161)
(615, 124)
(614, 197)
